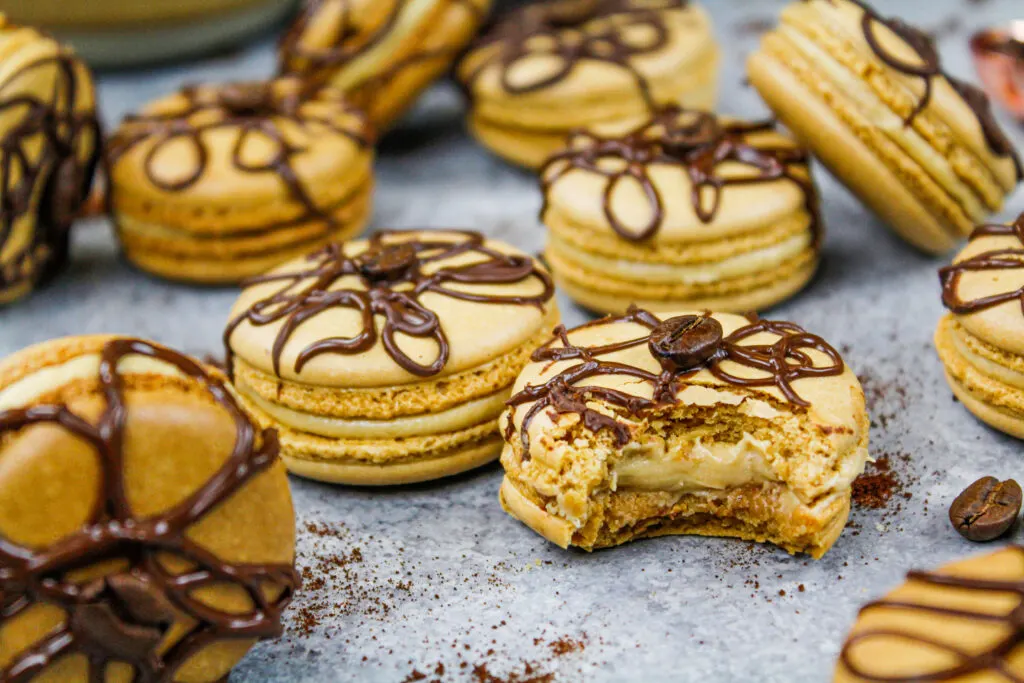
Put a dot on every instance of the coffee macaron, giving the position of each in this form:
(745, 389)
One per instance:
(549, 68)
(699, 423)
(389, 360)
(981, 339)
(382, 53)
(51, 140)
(688, 210)
(958, 624)
(868, 95)
(217, 183)
(146, 525)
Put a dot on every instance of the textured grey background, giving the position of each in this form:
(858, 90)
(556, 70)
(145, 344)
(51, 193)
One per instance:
(437, 574)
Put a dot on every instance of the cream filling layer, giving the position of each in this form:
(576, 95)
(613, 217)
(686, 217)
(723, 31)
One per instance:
(987, 367)
(714, 466)
(374, 60)
(29, 389)
(749, 263)
(878, 114)
(454, 419)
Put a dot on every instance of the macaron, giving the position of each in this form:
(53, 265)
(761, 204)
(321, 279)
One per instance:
(688, 210)
(700, 423)
(959, 624)
(981, 340)
(549, 68)
(146, 526)
(217, 183)
(382, 53)
(389, 360)
(50, 137)
(868, 95)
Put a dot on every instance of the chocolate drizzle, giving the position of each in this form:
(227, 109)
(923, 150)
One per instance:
(995, 260)
(56, 124)
(696, 141)
(575, 31)
(254, 109)
(393, 275)
(783, 362)
(320, 63)
(996, 659)
(125, 616)
(930, 67)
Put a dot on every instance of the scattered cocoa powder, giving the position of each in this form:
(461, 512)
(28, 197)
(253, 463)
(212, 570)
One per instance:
(875, 488)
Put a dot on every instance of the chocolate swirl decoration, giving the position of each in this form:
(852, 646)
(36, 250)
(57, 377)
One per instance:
(994, 660)
(575, 31)
(994, 260)
(255, 108)
(124, 617)
(783, 362)
(928, 68)
(60, 129)
(700, 143)
(393, 276)
(318, 63)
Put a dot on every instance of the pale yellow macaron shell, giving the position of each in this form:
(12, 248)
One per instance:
(578, 195)
(835, 401)
(330, 166)
(476, 332)
(597, 84)
(1002, 325)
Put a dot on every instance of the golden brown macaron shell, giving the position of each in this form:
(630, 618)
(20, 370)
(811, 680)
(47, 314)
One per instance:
(50, 148)
(382, 360)
(157, 513)
(217, 183)
(383, 53)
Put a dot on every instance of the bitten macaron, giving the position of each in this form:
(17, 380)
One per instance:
(868, 95)
(146, 525)
(958, 623)
(549, 68)
(389, 360)
(981, 339)
(688, 210)
(51, 141)
(382, 53)
(217, 183)
(701, 423)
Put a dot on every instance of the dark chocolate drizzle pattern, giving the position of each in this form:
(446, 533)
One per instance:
(393, 277)
(997, 259)
(929, 68)
(124, 617)
(995, 659)
(698, 142)
(784, 361)
(575, 31)
(61, 168)
(254, 109)
(319, 63)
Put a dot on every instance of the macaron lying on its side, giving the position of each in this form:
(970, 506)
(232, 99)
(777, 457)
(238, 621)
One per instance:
(389, 360)
(869, 97)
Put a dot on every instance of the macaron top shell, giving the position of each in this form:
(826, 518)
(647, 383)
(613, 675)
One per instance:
(984, 288)
(907, 56)
(816, 380)
(443, 302)
(122, 465)
(683, 176)
(549, 53)
(251, 143)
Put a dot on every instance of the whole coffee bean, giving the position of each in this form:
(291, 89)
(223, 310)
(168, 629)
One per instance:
(686, 342)
(387, 263)
(986, 509)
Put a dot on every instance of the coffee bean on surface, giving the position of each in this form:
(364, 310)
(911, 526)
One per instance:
(986, 509)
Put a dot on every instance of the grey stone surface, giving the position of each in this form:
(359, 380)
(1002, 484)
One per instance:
(437, 574)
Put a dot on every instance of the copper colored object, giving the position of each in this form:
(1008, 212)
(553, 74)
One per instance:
(999, 58)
